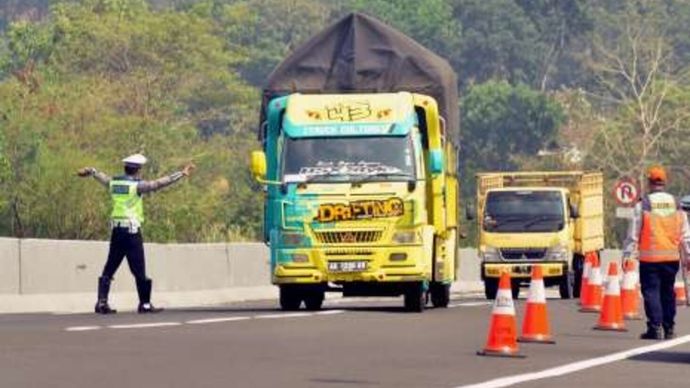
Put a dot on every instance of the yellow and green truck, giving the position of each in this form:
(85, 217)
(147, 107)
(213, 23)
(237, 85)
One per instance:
(361, 189)
(548, 218)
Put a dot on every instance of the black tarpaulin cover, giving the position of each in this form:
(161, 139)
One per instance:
(361, 54)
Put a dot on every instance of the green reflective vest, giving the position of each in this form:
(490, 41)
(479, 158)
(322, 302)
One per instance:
(127, 203)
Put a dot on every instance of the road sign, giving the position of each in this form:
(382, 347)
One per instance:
(626, 192)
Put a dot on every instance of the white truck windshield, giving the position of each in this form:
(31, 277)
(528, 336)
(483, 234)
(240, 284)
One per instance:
(348, 158)
(524, 211)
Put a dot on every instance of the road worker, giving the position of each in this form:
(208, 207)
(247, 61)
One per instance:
(126, 219)
(658, 232)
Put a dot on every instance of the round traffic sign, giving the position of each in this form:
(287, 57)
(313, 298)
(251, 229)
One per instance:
(626, 192)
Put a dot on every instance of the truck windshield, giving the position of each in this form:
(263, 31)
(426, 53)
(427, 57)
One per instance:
(524, 211)
(348, 159)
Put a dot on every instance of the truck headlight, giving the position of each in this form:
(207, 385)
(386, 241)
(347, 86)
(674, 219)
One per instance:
(405, 237)
(489, 253)
(291, 238)
(557, 253)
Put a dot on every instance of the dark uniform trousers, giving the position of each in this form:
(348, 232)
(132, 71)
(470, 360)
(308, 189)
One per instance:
(131, 245)
(657, 280)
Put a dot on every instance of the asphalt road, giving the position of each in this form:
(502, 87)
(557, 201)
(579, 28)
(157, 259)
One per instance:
(358, 343)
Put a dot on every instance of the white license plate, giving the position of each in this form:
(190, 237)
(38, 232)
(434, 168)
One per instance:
(347, 266)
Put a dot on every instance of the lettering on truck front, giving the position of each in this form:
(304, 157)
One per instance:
(360, 210)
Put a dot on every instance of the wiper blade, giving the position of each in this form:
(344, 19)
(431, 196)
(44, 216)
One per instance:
(383, 174)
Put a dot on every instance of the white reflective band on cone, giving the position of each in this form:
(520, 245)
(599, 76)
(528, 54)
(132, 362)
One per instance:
(537, 292)
(587, 270)
(504, 303)
(613, 287)
(629, 281)
(595, 277)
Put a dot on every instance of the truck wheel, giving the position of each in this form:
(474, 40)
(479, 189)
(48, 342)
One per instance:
(415, 298)
(578, 267)
(290, 298)
(313, 300)
(565, 287)
(490, 288)
(440, 295)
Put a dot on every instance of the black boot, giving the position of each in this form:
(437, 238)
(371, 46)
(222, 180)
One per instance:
(144, 290)
(668, 332)
(102, 306)
(652, 333)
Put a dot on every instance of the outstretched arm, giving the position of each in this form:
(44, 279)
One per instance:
(160, 183)
(101, 177)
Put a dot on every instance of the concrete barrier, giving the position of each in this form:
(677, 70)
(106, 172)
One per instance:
(52, 275)
(9, 266)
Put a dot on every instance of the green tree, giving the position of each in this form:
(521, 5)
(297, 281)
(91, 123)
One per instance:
(502, 121)
(266, 31)
(116, 82)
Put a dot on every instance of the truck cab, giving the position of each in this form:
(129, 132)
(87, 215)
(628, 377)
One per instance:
(361, 198)
(549, 219)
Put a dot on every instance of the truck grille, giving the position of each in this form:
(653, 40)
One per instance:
(349, 237)
(523, 253)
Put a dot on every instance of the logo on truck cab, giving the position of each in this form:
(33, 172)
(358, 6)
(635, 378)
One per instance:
(360, 210)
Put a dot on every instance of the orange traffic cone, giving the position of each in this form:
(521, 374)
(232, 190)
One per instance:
(593, 297)
(502, 340)
(535, 326)
(586, 269)
(630, 295)
(681, 296)
(611, 317)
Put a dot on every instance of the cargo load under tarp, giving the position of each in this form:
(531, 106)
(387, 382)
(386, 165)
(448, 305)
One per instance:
(361, 54)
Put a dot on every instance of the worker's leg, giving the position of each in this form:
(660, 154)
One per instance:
(649, 279)
(137, 264)
(115, 256)
(667, 277)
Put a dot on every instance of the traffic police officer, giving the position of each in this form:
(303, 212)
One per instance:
(126, 219)
(657, 232)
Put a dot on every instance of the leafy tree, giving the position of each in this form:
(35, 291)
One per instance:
(502, 121)
(266, 31)
(499, 41)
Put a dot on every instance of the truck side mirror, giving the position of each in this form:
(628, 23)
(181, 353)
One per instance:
(469, 212)
(436, 162)
(258, 165)
(574, 211)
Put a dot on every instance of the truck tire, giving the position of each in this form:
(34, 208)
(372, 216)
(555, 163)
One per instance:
(290, 298)
(565, 285)
(440, 295)
(313, 300)
(490, 288)
(415, 298)
(578, 267)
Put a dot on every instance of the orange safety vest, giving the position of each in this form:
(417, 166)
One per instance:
(661, 232)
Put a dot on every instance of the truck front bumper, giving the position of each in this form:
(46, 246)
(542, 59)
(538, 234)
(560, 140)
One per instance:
(523, 269)
(379, 267)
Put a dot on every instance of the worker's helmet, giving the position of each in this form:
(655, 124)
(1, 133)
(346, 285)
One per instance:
(657, 175)
(136, 160)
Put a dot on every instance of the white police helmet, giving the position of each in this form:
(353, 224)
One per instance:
(136, 160)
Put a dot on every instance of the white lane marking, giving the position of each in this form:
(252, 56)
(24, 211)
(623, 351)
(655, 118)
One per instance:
(217, 320)
(287, 315)
(82, 328)
(577, 366)
(330, 312)
(469, 304)
(206, 320)
(144, 325)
